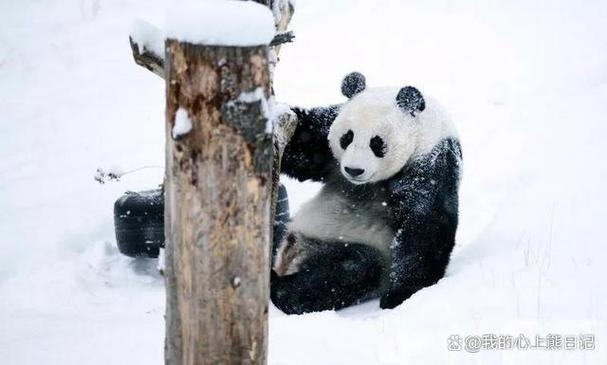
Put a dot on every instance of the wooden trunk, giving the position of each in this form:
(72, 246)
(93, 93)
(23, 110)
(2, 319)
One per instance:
(217, 212)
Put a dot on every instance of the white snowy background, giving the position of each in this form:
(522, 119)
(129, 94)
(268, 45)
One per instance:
(526, 82)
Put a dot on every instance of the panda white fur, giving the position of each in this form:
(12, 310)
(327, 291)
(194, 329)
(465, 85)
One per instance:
(383, 224)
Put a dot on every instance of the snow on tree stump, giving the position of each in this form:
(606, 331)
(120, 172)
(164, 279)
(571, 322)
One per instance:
(218, 186)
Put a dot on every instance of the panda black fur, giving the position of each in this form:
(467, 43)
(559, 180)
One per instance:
(383, 225)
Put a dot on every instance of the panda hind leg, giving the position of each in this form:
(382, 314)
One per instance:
(336, 276)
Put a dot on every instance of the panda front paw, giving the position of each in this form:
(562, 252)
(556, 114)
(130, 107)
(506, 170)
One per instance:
(394, 298)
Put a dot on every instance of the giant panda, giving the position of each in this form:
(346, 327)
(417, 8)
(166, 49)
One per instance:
(383, 224)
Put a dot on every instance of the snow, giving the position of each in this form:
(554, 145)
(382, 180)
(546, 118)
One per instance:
(148, 36)
(183, 124)
(525, 82)
(254, 96)
(220, 22)
(211, 22)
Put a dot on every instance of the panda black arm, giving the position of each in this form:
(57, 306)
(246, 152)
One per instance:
(308, 155)
(424, 207)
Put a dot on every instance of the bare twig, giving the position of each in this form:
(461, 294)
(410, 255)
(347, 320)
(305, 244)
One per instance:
(103, 176)
(282, 37)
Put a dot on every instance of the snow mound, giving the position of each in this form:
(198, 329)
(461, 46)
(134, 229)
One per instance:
(221, 23)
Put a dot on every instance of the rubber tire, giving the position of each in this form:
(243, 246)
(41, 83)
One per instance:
(139, 223)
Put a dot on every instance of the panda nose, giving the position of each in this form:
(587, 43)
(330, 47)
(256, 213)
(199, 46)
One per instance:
(354, 172)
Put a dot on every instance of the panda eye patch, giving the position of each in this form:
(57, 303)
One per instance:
(378, 146)
(346, 139)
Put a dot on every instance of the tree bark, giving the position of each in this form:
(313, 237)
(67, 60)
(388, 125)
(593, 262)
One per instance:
(220, 189)
(217, 214)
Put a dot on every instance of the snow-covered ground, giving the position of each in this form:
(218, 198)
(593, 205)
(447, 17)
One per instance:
(525, 80)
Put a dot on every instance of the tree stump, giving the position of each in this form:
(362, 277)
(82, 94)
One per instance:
(217, 213)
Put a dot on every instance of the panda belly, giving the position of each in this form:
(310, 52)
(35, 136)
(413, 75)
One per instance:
(332, 217)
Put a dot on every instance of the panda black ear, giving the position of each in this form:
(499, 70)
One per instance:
(353, 83)
(410, 100)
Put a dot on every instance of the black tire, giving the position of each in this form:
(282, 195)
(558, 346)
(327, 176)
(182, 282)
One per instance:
(139, 223)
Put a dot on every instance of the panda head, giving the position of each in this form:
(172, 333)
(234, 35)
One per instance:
(375, 132)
